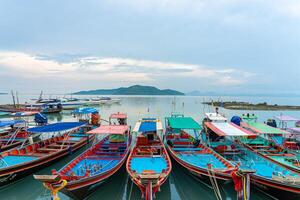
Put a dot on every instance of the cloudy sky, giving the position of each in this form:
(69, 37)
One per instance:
(232, 46)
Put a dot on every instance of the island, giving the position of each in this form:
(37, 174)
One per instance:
(235, 105)
(132, 90)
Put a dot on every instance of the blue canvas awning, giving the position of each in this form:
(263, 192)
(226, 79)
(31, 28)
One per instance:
(56, 127)
(10, 122)
(80, 111)
(147, 126)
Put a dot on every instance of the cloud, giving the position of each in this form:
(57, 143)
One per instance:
(114, 69)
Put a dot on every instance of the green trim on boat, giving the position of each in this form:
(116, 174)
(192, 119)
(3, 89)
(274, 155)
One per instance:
(264, 128)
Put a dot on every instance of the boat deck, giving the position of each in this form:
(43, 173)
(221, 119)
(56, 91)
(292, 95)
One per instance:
(155, 164)
(102, 157)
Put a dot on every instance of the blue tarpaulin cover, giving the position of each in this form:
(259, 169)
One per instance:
(56, 127)
(147, 126)
(10, 122)
(85, 111)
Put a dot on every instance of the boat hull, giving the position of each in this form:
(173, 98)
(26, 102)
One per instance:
(200, 173)
(279, 190)
(82, 189)
(17, 172)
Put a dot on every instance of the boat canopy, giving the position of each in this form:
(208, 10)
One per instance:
(295, 130)
(148, 125)
(262, 128)
(215, 117)
(110, 129)
(83, 111)
(10, 122)
(227, 129)
(118, 115)
(286, 118)
(183, 123)
(56, 127)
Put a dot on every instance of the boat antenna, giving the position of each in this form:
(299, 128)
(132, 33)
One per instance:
(174, 105)
(13, 97)
(17, 96)
(41, 95)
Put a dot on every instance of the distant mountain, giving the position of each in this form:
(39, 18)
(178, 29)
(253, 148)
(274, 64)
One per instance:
(132, 90)
(3, 93)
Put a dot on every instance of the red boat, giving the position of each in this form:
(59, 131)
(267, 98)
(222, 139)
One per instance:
(89, 170)
(149, 164)
(199, 160)
(17, 163)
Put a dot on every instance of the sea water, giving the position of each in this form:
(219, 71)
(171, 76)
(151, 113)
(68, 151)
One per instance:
(180, 184)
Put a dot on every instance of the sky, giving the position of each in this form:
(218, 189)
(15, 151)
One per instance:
(225, 46)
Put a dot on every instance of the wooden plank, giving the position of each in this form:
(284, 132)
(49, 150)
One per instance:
(47, 178)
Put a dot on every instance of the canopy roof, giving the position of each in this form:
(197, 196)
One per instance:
(56, 127)
(10, 122)
(286, 118)
(215, 117)
(227, 129)
(88, 110)
(295, 130)
(148, 125)
(262, 128)
(110, 129)
(183, 123)
(118, 115)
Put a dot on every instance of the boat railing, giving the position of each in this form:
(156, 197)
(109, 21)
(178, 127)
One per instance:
(3, 163)
(13, 136)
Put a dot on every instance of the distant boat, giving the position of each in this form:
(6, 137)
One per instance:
(93, 167)
(149, 164)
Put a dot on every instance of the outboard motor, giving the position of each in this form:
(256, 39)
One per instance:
(236, 120)
(272, 123)
(40, 119)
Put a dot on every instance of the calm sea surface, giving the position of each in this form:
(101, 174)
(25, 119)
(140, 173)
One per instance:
(180, 185)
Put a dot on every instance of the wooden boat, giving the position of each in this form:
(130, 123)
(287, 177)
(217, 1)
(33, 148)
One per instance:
(183, 144)
(270, 176)
(13, 134)
(20, 108)
(290, 141)
(93, 167)
(148, 164)
(19, 162)
(263, 144)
